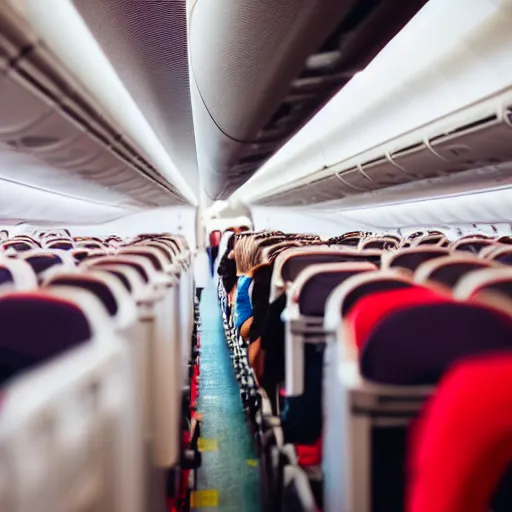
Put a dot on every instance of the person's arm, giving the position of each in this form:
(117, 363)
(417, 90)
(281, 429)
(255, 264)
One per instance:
(256, 358)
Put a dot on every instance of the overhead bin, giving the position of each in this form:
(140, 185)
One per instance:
(45, 114)
(484, 140)
(469, 148)
(261, 69)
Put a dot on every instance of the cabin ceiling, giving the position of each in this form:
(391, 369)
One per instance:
(148, 103)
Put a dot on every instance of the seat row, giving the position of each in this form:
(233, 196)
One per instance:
(368, 335)
(98, 368)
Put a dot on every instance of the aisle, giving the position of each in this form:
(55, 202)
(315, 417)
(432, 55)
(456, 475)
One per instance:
(228, 478)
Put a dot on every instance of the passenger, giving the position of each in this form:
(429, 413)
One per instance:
(227, 271)
(245, 261)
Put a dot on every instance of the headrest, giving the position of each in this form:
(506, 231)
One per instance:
(126, 261)
(95, 286)
(80, 254)
(296, 264)
(473, 246)
(433, 240)
(17, 246)
(411, 259)
(379, 243)
(371, 287)
(6, 276)
(122, 278)
(43, 262)
(153, 258)
(36, 327)
(462, 445)
(415, 343)
(369, 311)
(62, 245)
(503, 256)
(449, 269)
(315, 291)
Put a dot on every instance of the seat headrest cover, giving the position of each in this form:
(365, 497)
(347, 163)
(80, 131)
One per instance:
(369, 311)
(462, 444)
(5, 276)
(416, 344)
(371, 287)
(99, 289)
(450, 273)
(503, 286)
(43, 262)
(412, 260)
(317, 289)
(35, 328)
(504, 257)
(296, 264)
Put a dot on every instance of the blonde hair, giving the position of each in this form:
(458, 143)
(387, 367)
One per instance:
(245, 254)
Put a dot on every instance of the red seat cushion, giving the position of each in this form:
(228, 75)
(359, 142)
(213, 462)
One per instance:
(462, 445)
(310, 454)
(367, 312)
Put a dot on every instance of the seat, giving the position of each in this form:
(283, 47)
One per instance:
(79, 255)
(412, 257)
(502, 255)
(66, 421)
(506, 239)
(42, 260)
(392, 348)
(121, 308)
(63, 245)
(475, 393)
(343, 298)
(16, 274)
(306, 300)
(448, 270)
(472, 245)
(29, 316)
(438, 240)
(290, 263)
(486, 280)
(159, 312)
(379, 243)
(17, 245)
(181, 280)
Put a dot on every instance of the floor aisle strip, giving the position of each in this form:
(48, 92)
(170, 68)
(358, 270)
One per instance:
(228, 480)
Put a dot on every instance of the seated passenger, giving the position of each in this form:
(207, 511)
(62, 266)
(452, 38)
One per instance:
(227, 271)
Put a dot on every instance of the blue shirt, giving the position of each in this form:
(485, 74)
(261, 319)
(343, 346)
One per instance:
(243, 306)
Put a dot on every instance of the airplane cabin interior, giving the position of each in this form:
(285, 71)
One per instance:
(255, 255)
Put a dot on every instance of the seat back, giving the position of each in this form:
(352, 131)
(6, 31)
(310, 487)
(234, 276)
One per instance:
(16, 274)
(502, 255)
(352, 290)
(486, 280)
(383, 244)
(306, 300)
(412, 258)
(444, 332)
(435, 239)
(66, 430)
(17, 245)
(477, 393)
(37, 327)
(290, 263)
(472, 245)
(406, 344)
(91, 283)
(448, 270)
(42, 260)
